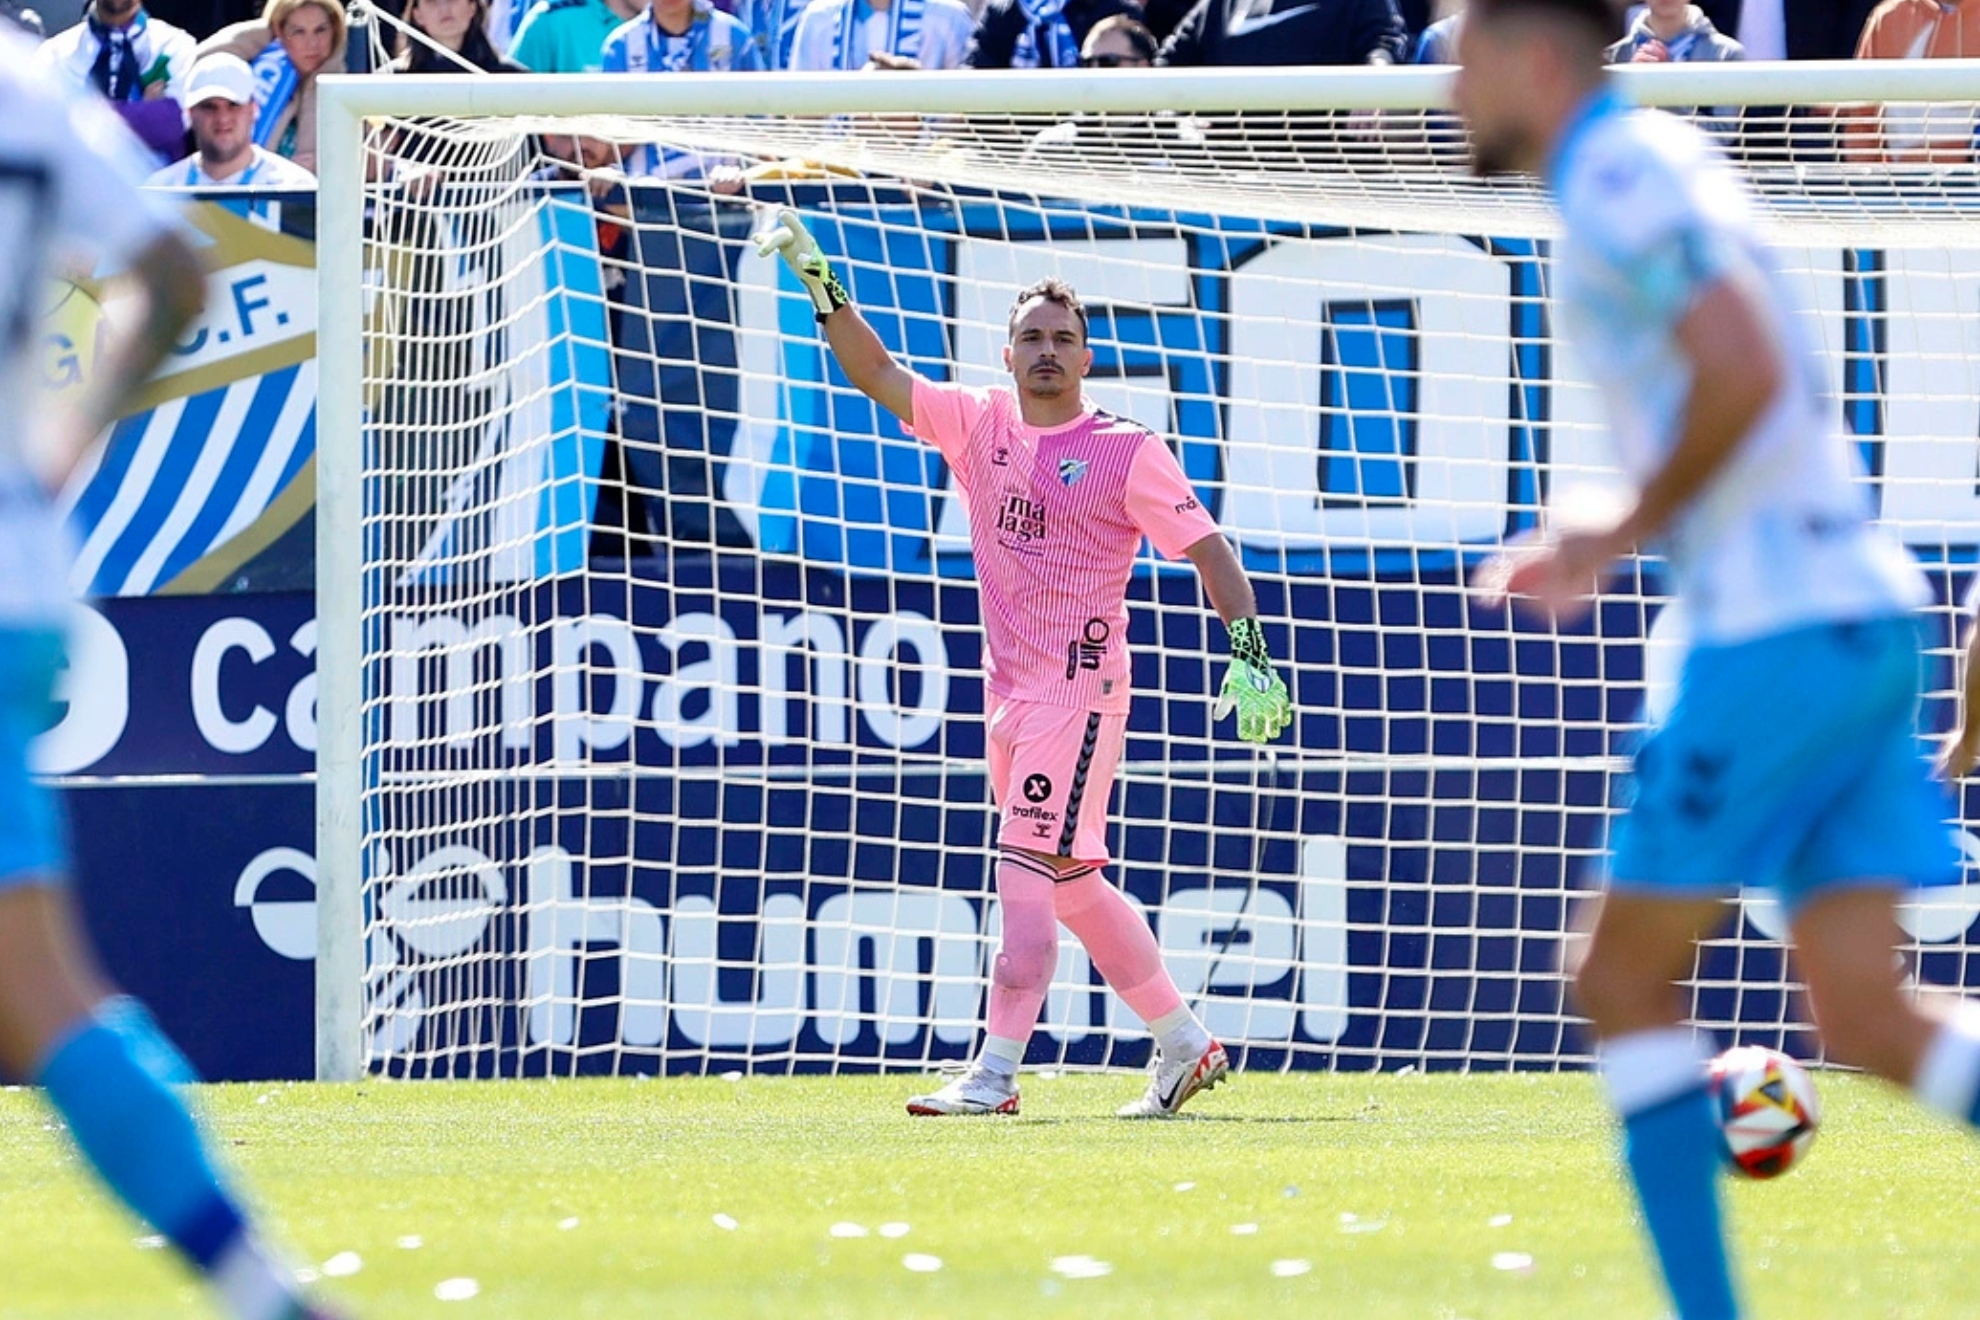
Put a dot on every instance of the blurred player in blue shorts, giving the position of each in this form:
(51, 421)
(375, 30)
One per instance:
(1791, 757)
(67, 188)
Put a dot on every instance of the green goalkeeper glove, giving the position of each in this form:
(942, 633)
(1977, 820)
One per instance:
(1259, 696)
(789, 239)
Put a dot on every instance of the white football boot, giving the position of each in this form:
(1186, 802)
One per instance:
(978, 1091)
(1176, 1080)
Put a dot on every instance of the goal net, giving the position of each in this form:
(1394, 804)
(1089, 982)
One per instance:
(650, 674)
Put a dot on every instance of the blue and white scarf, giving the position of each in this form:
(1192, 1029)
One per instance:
(786, 31)
(704, 46)
(903, 31)
(117, 71)
(502, 20)
(275, 83)
(1045, 19)
(773, 27)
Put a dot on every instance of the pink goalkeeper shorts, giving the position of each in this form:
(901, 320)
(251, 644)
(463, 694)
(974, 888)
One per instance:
(1052, 772)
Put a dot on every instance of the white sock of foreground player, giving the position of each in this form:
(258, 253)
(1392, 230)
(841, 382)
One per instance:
(1122, 946)
(1948, 1078)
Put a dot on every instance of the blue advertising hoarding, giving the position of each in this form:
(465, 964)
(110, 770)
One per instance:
(743, 802)
(1447, 891)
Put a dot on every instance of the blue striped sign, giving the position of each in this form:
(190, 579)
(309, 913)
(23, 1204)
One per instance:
(176, 483)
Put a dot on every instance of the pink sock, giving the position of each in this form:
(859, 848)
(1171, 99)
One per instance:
(1120, 944)
(1030, 951)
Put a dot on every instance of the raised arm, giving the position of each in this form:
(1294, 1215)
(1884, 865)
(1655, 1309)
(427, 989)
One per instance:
(864, 359)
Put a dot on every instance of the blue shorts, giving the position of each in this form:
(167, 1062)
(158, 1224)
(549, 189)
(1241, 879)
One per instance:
(33, 838)
(1792, 763)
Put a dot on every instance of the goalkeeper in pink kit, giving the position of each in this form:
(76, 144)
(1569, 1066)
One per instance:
(1060, 495)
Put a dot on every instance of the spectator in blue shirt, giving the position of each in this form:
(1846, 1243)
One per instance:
(683, 36)
(882, 34)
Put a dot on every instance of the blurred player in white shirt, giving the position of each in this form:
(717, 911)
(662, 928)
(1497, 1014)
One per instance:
(68, 189)
(1791, 758)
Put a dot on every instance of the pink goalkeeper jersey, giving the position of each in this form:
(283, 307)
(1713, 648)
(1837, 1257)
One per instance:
(1055, 521)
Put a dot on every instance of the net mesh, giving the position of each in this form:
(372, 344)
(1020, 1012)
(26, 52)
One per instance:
(1850, 173)
(674, 753)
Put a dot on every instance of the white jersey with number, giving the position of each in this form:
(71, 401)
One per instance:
(1782, 535)
(69, 176)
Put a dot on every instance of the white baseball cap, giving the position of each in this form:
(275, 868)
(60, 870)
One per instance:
(225, 76)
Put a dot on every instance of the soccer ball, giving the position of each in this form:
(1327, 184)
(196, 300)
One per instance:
(1767, 1110)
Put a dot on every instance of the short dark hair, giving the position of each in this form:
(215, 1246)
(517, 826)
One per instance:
(1602, 19)
(1051, 289)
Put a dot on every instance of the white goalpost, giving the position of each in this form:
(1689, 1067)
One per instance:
(649, 703)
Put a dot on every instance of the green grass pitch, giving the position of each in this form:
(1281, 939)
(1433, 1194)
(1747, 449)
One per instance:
(1359, 1197)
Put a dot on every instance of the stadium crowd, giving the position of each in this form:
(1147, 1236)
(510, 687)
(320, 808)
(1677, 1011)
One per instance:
(226, 97)
(142, 56)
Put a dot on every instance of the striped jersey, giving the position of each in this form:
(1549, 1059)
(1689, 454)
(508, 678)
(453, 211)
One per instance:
(69, 176)
(842, 34)
(1056, 519)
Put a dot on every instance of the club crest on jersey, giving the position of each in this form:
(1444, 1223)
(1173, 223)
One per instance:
(1071, 470)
